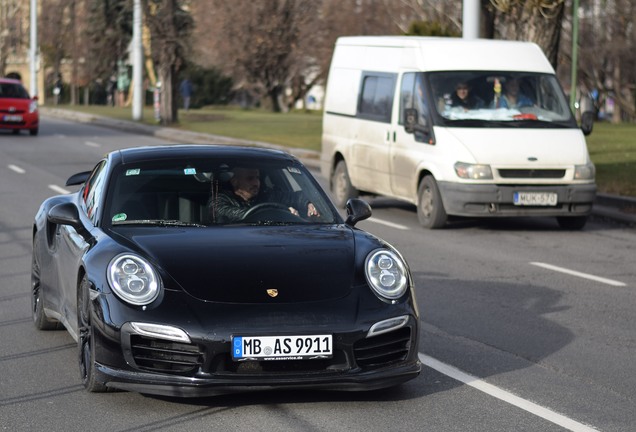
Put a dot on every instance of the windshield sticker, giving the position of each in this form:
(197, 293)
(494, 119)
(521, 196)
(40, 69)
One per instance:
(120, 217)
(132, 172)
(293, 170)
(190, 171)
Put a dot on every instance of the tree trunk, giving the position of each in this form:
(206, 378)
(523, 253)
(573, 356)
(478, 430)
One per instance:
(529, 21)
(168, 110)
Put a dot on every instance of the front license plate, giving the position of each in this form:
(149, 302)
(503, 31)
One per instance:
(12, 118)
(282, 347)
(535, 198)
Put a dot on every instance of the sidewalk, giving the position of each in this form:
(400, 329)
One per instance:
(617, 208)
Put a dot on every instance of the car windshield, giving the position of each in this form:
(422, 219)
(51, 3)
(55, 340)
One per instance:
(499, 99)
(12, 91)
(207, 193)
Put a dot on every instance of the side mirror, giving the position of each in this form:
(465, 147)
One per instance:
(410, 119)
(587, 122)
(66, 214)
(413, 122)
(357, 210)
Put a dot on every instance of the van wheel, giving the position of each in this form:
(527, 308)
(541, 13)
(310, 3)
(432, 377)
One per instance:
(341, 185)
(572, 223)
(430, 209)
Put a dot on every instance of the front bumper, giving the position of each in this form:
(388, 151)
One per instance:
(203, 366)
(494, 200)
(29, 121)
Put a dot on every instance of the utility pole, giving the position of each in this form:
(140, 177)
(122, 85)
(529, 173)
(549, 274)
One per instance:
(470, 19)
(33, 50)
(575, 53)
(138, 63)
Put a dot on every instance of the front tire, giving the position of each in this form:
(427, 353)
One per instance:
(341, 186)
(40, 320)
(86, 341)
(34, 131)
(430, 208)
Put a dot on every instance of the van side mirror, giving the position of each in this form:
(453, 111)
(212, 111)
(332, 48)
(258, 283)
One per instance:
(413, 122)
(418, 125)
(587, 122)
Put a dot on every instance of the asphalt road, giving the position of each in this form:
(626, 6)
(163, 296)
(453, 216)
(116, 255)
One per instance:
(525, 327)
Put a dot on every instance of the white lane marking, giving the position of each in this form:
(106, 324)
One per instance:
(92, 144)
(59, 189)
(16, 169)
(579, 274)
(389, 224)
(505, 396)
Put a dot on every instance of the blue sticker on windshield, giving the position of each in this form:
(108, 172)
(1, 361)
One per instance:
(190, 171)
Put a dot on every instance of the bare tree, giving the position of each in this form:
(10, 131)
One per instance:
(170, 29)
(11, 34)
(538, 21)
(607, 53)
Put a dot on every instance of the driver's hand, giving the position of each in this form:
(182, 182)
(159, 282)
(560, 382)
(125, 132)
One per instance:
(312, 211)
(293, 211)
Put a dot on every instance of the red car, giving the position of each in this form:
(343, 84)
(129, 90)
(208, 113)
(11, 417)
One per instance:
(18, 110)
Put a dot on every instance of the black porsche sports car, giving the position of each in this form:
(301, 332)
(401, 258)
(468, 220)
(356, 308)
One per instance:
(164, 296)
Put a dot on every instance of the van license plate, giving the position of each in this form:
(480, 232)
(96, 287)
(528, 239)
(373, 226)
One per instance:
(535, 198)
(282, 347)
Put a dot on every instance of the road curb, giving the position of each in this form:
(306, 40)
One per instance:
(617, 208)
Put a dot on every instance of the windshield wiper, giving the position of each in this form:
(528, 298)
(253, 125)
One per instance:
(158, 222)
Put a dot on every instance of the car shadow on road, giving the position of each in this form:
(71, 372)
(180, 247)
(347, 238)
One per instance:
(486, 328)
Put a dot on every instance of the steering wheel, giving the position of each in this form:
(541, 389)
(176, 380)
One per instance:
(264, 206)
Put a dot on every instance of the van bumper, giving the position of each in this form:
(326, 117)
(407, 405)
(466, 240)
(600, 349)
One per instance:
(497, 200)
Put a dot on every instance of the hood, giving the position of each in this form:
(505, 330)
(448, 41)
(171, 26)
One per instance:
(240, 264)
(516, 147)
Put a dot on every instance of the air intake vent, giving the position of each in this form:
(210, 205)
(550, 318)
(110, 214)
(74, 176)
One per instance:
(532, 174)
(165, 356)
(384, 349)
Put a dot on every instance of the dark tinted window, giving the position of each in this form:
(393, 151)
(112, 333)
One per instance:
(376, 97)
(13, 91)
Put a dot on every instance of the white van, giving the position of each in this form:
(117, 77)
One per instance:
(395, 125)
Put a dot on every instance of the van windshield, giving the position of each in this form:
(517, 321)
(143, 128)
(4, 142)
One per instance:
(496, 99)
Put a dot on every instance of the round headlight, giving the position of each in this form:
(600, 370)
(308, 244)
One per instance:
(386, 274)
(133, 279)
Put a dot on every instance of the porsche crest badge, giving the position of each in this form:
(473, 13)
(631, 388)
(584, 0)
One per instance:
(272, 292)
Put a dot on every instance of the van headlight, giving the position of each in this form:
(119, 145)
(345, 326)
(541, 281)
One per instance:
(584, 172)
(386, 274)
(473, 171)
(33, 106)
(133, 279)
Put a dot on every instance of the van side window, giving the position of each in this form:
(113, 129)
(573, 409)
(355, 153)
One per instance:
(376, 96)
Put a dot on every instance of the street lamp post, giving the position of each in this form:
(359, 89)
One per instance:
(138, 60)
(33, 48)
(575, 53)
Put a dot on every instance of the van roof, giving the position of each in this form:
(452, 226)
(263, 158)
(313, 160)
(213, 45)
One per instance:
(444, 53)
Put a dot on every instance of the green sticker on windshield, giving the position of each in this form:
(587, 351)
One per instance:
(120, 217)
(133, 172)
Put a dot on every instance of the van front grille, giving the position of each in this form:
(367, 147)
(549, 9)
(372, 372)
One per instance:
(532, 173)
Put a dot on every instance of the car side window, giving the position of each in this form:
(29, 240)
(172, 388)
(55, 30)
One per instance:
(92, 192)
(376, 97)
